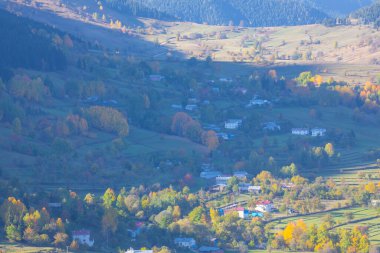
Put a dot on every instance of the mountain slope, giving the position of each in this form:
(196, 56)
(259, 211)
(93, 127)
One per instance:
(369, 14)
(335, 7)
(222, 12)
(28, 44)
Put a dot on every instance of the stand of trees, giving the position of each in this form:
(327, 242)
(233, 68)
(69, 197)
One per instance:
(227, 12)
(28, 44)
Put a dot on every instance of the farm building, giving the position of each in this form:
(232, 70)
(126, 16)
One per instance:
(241, 174)
(156, 78)
(233, 124)
(83, 237)
(218, 187)
(243, 187)
(191, 107)
(210, 174)
(185, 242)
(318, 132)
(271, 126)
(222, 179)
(254, 189)
(131, 250)
(300, 131)
(207, 249)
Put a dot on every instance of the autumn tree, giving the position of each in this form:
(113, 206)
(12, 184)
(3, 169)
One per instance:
(329, 149)
(60, 239)
(108, 198)
(210, 139)
(107, 119)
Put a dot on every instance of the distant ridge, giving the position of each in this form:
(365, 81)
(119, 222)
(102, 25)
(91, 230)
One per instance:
(249, 12)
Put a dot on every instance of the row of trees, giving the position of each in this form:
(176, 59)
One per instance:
(298, 236)
(184, 125)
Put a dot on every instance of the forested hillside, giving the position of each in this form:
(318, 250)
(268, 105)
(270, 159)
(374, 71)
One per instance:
(335, 7)
(369, 14)
(28, 44)
(222, 12)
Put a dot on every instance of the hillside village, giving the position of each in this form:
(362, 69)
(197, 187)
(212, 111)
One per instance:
(107, 148)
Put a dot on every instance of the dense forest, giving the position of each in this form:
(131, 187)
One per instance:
(28, 44)
(252, 12)
(336, 8)
(369, 14)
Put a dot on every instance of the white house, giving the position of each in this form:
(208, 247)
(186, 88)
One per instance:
(191, 107)
(156, 78)
(264, 206)
(131, 250)
(241, 174)
(243, 187)
(224, 136)
(258, 102)
(83, 237)
(300, 131)
(222, 179)
(243, 214)
(318, 132)
(218, 187)
(254, 189)
(185, 242)
(271, 126)
(210, 174)
(375, 202)
(225, 80)
(241, 211)
(233, 123)
(176, 106)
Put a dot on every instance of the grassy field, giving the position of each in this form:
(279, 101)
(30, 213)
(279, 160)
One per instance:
(18, 248)
(21, 248)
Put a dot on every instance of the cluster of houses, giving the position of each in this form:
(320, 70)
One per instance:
(315, 132)
(190, 243)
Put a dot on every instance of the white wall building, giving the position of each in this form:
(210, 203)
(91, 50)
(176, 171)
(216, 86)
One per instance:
(264, 206)
(131, 250)
(222, 179)
(185, 242)
(254, 189)
(83, 237)
(300, 131)
(233, 123)
(210, 174)
(318, 132)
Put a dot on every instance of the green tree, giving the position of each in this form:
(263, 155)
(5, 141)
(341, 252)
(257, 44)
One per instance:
(195, 215)
(13, 233)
